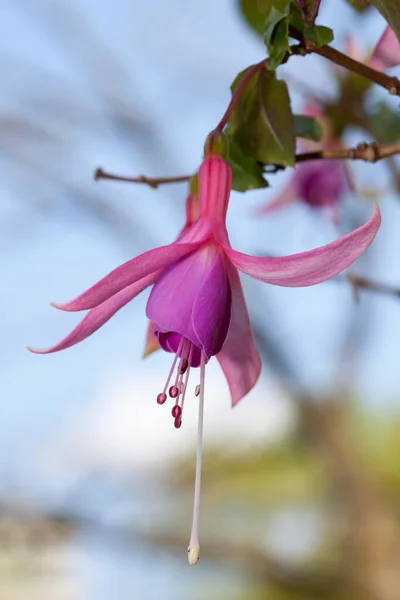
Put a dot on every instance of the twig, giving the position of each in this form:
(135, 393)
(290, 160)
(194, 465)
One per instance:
(392, 84)
(368, 152)
(153, 182)
(309, 14)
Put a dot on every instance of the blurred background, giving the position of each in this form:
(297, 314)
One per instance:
(301, 486)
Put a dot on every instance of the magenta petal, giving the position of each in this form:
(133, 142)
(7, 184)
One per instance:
(127, 274)
(171, 300)
(212, 308)
(314, 266)
(239, 358)
(192, 298)
(170, 343)
(99, 315)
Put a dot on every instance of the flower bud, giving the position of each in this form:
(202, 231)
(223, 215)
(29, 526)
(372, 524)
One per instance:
(216, 144)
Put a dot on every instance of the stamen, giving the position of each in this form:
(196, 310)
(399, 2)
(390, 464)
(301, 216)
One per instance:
(161, 398)
(183, 366)
(176, 411)
(186, 378)
(173, 391)
(170, 374)
(194, 546)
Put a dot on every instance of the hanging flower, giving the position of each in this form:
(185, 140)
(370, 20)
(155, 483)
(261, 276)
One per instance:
(197, 303)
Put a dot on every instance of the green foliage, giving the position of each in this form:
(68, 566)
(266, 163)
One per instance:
(256, 12)
(247, 174)
(262, 123)
(390, 10)
(265, 480)
(276, 34)
(307, 127)
(272, 19)
(359, 5)
(318, 34)
(384, 123)
(380, 440)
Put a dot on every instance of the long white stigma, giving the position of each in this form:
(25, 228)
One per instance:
(194, 546)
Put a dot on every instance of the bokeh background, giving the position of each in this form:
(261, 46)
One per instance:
(301, 487)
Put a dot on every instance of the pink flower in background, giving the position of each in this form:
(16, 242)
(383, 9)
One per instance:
(197, 307)
(386, 53)
(317, 183)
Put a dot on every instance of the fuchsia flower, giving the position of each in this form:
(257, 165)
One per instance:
(386, 53)
(197, 304)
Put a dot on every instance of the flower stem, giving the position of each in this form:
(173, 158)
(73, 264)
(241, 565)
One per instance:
(251, 71)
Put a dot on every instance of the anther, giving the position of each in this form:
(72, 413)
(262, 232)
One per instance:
(173, 391)
(197, 390)
(161, 398)
(177, 422)
(176, 411)
(183, 366)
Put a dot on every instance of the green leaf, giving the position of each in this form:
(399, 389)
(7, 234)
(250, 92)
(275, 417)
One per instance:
(319, 35)
(384, 123)
(390, 10)
(247, 174)
(359, 5)
(276, 35)
(262, 123)
(256, 12)
(307, 127)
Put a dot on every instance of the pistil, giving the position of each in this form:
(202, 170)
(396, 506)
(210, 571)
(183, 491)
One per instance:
(194, 546)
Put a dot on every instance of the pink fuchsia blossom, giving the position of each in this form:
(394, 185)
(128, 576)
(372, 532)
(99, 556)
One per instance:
(197, 303)
(386, 53)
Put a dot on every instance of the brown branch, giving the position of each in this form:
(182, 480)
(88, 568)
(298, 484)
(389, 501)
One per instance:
(368, 152)
(392, 84)
(153, 182)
